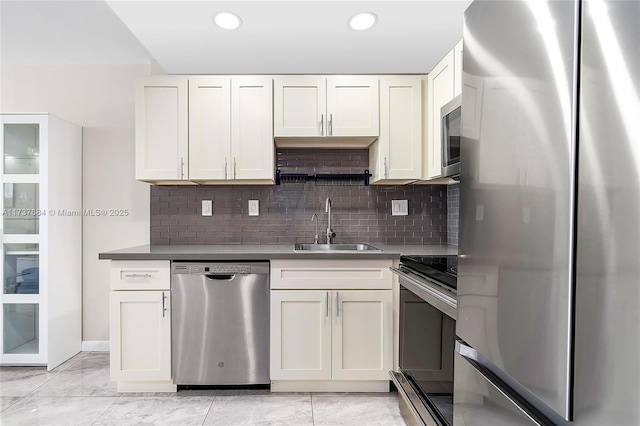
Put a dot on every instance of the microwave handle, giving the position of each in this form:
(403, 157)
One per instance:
(443, 135)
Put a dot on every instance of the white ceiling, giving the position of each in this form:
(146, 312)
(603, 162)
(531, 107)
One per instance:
(277, 37)
(65, 32)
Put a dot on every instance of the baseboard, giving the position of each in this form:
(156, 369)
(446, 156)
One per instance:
(95, 346)
(330, 386)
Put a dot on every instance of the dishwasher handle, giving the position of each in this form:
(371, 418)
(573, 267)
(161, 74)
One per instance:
(221, 277)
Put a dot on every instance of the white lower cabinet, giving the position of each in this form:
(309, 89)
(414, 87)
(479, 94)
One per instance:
(362, 335)
(300, 335)
(141, 335)
(333, 339)
(140, 326)
(331, 334)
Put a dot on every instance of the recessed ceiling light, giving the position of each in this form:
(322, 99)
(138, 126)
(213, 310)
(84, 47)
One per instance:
(363, 21)
(227, 20)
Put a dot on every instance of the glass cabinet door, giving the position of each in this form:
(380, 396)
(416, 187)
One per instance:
(21, 208)
(20, 334)
(21, 148)
(21, 269)
(21, 322)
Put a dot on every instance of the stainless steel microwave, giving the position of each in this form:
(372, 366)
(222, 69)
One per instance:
(451, 122)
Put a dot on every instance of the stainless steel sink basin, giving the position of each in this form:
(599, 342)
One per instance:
(334, 248)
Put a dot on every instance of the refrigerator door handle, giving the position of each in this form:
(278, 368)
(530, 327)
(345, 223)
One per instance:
(536, 410)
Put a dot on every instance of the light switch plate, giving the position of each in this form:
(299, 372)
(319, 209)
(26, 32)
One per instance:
(206, 208)
(399, 207)
(254, 208)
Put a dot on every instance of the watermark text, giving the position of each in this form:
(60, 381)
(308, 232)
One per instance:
(16, 212)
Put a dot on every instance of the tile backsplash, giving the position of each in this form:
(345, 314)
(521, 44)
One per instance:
(453, 213)
(360, 213)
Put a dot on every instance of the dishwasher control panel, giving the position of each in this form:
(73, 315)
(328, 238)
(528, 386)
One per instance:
(213, 268)
(221, 269)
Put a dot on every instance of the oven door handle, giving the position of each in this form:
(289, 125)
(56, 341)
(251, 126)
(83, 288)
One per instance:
(428, 294)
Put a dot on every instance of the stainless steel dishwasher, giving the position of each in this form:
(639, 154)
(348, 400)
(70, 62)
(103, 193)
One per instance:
(220, 323)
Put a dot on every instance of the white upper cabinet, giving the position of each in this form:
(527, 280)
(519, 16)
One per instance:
(205, 129)
(252, 146)
(300, 106)
(161, 129)
(326, 107)
(230, 129)
(352, 106)
(457, 66)
(440, 89)
(209, 127)
(444, 83)
(397, 155)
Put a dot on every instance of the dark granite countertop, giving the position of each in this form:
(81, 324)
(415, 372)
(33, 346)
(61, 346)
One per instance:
(266, 252)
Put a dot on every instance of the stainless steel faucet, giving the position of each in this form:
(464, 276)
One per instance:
(330, 234)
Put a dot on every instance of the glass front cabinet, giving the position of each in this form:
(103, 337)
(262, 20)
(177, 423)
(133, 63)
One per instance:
(41, 235)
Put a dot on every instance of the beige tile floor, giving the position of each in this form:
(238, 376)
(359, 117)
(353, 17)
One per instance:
(79, 393)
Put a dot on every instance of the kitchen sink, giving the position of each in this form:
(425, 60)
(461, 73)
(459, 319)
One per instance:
(353, 247)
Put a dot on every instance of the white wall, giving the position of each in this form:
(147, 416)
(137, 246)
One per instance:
(100, 98)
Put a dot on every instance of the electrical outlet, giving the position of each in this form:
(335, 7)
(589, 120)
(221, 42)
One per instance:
(254, 208)
(207, 208)
(399, 207)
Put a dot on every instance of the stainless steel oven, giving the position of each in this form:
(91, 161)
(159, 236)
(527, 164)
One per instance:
(428, 310)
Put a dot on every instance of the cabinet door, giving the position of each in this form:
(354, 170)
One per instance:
(300, 106)
(209, 127)
(252, 145)
(140, 325)
(399, 154)
(362, 335)
(457, 68)
(161, 129)
(440, 91)
(300, 335)
(352, 106)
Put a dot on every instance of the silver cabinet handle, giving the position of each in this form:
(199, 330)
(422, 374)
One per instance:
(386, 174)
(137, 274)
(330, 126)
(321, 124)
(234, 167)
(326, 298)
(225, 167)
(181, 167)
(164, 309)
(337, 303)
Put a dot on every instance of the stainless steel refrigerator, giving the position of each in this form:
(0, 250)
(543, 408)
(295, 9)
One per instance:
(549, 244)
